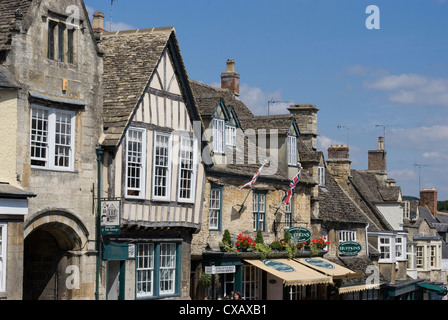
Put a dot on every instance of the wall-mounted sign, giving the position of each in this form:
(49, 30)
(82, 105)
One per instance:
(110, 217)
(349, 248)
(279, 266)
(319, 263)
(299, 234)
(118, 251)
(220, 269)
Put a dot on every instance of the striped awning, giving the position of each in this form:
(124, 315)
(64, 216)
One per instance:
(358, 287)
(291, 272)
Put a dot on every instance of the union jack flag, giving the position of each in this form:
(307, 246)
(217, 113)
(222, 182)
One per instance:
(292, 187)
(254, 178)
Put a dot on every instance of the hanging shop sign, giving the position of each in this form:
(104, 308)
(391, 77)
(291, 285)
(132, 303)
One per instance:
(279, 266)
(220, 269)
(110, 219)
(319, 263)
(349, 248)
(299, 234)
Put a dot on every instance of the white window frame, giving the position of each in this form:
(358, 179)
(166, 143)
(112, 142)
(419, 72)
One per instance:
(251, 283)
(145, 269)
(420, 257)
(142, 163)
(215, 208)
(230, 136)
(386, 249)
(184, 171)
(347, 235)
(321, 176)
(400, 244)
(218, 135)
(291, 152)
(3, 251)
(51, 137)
(155, 196)
(167, 269)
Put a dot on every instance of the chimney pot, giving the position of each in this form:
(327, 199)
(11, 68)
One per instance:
(230, 79)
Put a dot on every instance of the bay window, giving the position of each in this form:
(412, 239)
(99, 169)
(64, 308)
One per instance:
(187, 169)
(135, 163)
(162, 166)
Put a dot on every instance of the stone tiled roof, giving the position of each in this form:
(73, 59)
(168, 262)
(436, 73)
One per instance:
(371, 187)
(8, 191)
(208, 97)
(129, 60)
(334, 203)
(280, 122)
(8, 15)
(7, 80)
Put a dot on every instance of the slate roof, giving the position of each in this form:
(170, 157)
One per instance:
(8, 9)
(371, 187)
(280, 122)
(8, 191)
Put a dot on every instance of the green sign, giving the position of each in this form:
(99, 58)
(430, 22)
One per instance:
(110, 217)
(319, 263)
(350, 248)
(118, 251)
(279, 266)
(299, 234)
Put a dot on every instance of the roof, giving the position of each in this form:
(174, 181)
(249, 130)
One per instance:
(208, 98)
(7, 80)
(373, 189)
(334, 203)
(130, 58)
(8, 191)
(10, 11)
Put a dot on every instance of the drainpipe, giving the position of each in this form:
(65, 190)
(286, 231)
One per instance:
(99, 155)
(367, 240)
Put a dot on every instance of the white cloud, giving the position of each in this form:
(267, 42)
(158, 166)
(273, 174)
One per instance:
(117, 26)
(257, 100)
(412, 89)
(323, 142)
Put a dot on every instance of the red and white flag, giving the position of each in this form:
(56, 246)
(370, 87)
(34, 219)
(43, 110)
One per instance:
(254, 178)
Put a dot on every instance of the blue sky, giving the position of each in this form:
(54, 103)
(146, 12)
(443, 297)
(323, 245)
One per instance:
(364, 81)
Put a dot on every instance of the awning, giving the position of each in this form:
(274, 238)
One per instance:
(432, 287)
(358, 287)
(291, 272)
(327, 267)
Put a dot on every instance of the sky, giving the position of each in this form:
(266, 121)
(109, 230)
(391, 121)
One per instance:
(371, 72)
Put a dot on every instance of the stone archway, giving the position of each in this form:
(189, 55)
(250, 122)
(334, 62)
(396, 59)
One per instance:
(49, 237)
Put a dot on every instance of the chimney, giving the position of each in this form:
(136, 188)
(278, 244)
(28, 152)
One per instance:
(338, 164)
(98, 22)
(428, 198)
(377, 158)
(306, 118)
(230, 79)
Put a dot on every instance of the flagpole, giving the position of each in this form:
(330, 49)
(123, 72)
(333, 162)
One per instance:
(242, 205)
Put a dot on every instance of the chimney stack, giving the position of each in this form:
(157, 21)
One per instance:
(230, 79)
(98, 22)
(428, 197)
(377, 158)
(339, 164)
(306, 118)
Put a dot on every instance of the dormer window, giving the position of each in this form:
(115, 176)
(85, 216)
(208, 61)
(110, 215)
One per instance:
(218, 135)
(292, 150)
(231, 136)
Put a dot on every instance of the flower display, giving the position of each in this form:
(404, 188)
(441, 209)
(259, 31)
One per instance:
(244, 242)
(319, 242)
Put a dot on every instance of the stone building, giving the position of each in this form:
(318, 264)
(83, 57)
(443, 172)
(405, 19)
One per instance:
(152, 168)
(50, 50)
(242, 143)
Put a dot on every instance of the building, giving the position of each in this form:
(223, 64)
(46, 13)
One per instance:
(151, 166)
(49, 49)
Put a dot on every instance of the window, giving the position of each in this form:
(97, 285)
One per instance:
(218, 135)
(251, 283)
(259, 211)
(384, 248)
(61, 41)
(292, 151)
(419, 257)
(145, 269)
(157, 270)
(347, 235)
(215, 209)
(136, 163)
(231, 136)
(406, 209)
(433, 256)
(167, 268)
(3, 237)
(400, 248)
(187, 169)
(162, 165)
(321, 176)
(52, 138)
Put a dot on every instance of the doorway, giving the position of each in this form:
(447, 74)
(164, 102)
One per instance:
(116, 279)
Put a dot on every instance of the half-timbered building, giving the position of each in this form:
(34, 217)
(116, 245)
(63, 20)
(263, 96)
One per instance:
(151, 165)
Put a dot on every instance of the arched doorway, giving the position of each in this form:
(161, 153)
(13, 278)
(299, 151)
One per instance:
(50, 240)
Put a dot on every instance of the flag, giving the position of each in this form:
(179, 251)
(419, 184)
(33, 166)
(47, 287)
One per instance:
(292, 187)
(254, 178)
